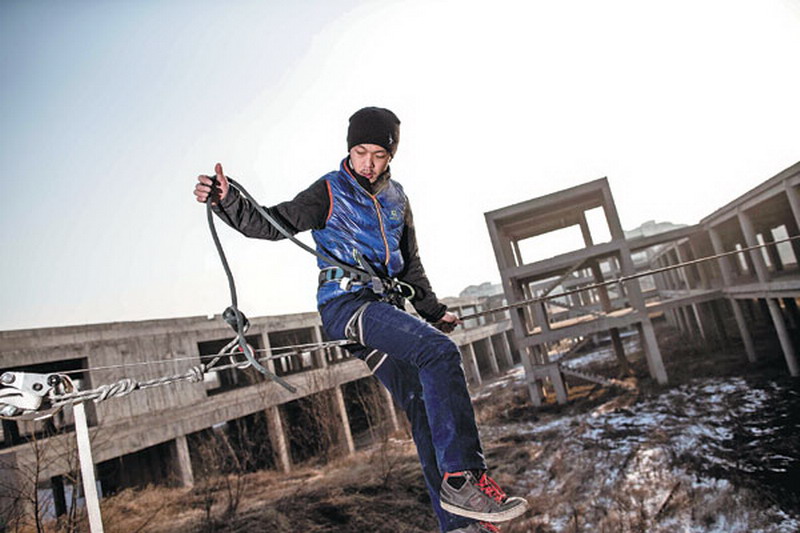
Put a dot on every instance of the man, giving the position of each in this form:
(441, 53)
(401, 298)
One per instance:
(360, 217)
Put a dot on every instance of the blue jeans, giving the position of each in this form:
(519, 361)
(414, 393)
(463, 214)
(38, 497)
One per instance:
(423, 372)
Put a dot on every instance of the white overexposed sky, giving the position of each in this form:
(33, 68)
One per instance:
(109, 110)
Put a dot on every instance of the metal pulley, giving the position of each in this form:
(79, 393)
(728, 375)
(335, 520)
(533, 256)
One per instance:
(26, 395)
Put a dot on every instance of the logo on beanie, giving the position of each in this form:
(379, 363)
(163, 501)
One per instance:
(391, 139)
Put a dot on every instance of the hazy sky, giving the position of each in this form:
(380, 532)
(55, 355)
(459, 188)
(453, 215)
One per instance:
(109, 110)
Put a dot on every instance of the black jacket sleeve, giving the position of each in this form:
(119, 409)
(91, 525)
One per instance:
(425, 301)
(308, 210)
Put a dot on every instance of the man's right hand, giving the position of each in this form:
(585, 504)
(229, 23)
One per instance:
(204, 183)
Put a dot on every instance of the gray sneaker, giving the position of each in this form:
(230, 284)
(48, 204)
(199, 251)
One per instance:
(477, 527)
(479, 498)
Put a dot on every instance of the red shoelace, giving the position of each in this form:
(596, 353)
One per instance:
(489, 527)
(491, 488)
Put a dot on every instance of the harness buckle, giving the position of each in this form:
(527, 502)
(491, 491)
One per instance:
(377, 285)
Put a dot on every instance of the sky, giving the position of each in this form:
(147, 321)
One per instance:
(110, 110)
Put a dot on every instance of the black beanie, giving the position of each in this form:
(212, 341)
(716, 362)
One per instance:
(374, 125)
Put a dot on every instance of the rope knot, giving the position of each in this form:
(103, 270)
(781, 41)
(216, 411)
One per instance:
(114, 390)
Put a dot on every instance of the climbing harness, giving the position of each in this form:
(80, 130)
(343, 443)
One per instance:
(391, 290)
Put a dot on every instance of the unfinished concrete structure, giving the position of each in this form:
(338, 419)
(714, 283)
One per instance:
(539, 333)
(752, 291)
(702, 299)
(157, 435)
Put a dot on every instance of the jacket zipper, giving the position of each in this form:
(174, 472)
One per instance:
(383, 231)
(377, 211)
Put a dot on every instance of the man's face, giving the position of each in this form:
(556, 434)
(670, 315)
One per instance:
(369, 160)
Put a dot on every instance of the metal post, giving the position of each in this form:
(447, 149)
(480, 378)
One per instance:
(87, 469)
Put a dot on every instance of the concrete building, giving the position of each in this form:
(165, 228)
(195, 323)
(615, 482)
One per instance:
(749, 289)
(754, 292)
(156, 435)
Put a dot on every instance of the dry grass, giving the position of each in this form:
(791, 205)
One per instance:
(349, 495)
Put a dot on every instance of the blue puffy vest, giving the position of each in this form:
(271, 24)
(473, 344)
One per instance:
(359, 221)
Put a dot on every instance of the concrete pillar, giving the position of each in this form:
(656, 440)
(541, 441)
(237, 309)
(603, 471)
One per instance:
(391, 413)
(757, 255)
(701, 267)
(539, 354)
(534, 385)
(717, 323)
(727, 280)
(794, 203)
(516, 354)
(632, 288)
(793, 314)
(695, 311)
(277, 437)
(784, 337)
(347, 435)
(772, 251)
(508, 356)
(540, 316)
(792, 225)
(744, 331)
(471, 364)
(653, 354)
(517, 253)
(559, 386)
(675, 281)
(683, 325)
(269, 364)
(182, 462)
(698, 318)
(492, 356)
(602, 292)
(619, 351)
(585, 231)
(669, 315)
(319, 355)
(774, 310)
(659, 279)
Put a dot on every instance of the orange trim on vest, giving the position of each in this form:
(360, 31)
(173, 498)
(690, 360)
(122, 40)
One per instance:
(330, 198)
